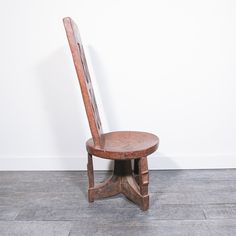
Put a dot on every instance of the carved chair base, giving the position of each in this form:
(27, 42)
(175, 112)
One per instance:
(122, 181)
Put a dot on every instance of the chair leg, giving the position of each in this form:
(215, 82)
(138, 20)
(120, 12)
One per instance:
(143, 182)
(122, 181)
(90, 178)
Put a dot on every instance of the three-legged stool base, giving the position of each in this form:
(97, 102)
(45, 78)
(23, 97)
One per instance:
(122, 181)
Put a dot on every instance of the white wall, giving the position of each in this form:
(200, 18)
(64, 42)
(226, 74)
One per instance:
(166, 67)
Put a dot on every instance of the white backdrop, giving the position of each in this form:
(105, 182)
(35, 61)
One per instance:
(166, 67)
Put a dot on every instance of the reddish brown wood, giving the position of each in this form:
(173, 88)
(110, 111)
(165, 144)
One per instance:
(143, 182)
(123, 181)
(81, 68)
(90, 177)
(121, 146)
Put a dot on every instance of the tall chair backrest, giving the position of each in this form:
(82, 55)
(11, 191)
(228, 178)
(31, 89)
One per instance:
(83, 75)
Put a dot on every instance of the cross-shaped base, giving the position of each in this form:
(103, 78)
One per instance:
(123, 181)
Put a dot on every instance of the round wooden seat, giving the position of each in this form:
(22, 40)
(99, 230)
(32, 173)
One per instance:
(122, 145)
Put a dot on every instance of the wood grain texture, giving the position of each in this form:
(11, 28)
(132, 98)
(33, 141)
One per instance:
(82, 71)
(90, 177)
(123, 181)
(121, 146)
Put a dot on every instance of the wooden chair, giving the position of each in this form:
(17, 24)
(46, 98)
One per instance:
(122, 146)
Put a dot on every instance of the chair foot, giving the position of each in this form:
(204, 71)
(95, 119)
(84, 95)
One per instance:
(144, 203)
(122, 181)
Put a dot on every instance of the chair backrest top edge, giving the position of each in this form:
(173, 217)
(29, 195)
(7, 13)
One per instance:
(83, 75)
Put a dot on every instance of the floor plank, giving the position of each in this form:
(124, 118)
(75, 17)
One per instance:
(182, 202)
(163, 228)
(220, 211)
(32, 228)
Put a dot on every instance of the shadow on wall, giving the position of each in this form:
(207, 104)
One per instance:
(105, 93)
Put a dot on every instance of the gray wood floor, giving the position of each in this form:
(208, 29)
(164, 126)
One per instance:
(186, 202)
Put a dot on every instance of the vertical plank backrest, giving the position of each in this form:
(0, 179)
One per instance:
(83, 75)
